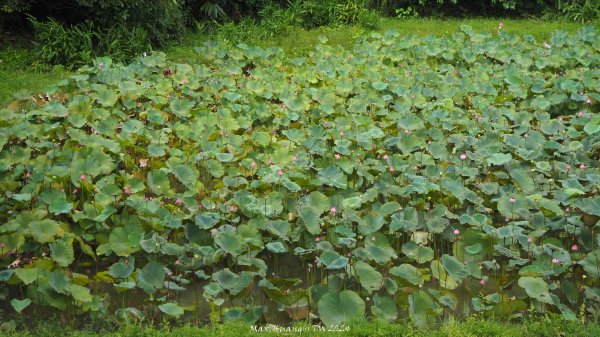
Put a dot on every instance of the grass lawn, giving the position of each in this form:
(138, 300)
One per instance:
(545, 327)
(15, 77)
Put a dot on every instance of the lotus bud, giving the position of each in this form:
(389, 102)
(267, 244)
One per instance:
(574, 248)
(463, 156)
(456, 232)
(333, 210)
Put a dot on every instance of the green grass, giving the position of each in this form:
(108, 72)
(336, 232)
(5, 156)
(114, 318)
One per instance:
(301, 41)
(469, 328)
(15, 75)
(19, 72)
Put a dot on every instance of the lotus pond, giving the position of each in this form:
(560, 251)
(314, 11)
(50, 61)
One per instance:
(422, 177)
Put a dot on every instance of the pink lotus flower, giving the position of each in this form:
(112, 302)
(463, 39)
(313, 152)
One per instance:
(317, 239)
(337, 156)
(280, 172)
(253, 164)
(294, 158)
(83, 177)
(184, 81)
(143, 162)
(127, 190)
(512, 200)
(463, 156)
(526, 135)
(588, 101)
(392, 169)
(283, 106)
(580, 113)
(582, 166)
(568, 209)
(456, 232)
(178, 201)
(270, 161)
(555, 261)
(482, 281)
(501, 25)
(333, 210)
(530, 239)
(342, 134)
(408, 132)
(385, 157)
(232, 208)
(574, 248)
(28, 174)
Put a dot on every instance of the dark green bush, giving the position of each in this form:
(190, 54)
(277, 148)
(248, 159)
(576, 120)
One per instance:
(162, 19)
(78, 44)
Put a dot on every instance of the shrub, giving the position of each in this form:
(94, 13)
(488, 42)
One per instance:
(78, 44)
(162, 19)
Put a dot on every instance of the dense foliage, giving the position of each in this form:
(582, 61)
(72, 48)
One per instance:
(437, 176)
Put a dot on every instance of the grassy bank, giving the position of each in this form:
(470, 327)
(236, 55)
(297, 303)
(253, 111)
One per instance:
(470, 328)
(16, 73)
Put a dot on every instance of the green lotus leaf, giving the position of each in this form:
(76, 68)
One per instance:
(333, 176)
(336, 308)
(454, 267)
(158, 182)
(499, 158)
(279, 228)
(151, 277)
(62, 252)
(107, 98)
(439, 272)
(311, 219)
(379, 249)
(370, 224)
(332, 260)
(80, 293)
(5, 275)
(276, 247)
(171, 309)
(590, 264)
(419, 303)
(318, 201)
(207, 220)
(384, 308)
(59, 281)
(352, 203)
(224, 157)
(45, 230)
(181, 107)
(123, 268)
(368, 277)
(60, 206)
(416, 252)
(125, 241)
(27, 275)
(409, 273)
(20, 305)
(535, 287)
(231, 242)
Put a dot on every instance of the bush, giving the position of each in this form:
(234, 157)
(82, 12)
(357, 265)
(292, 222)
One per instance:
(162, 19)
(78, 44)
